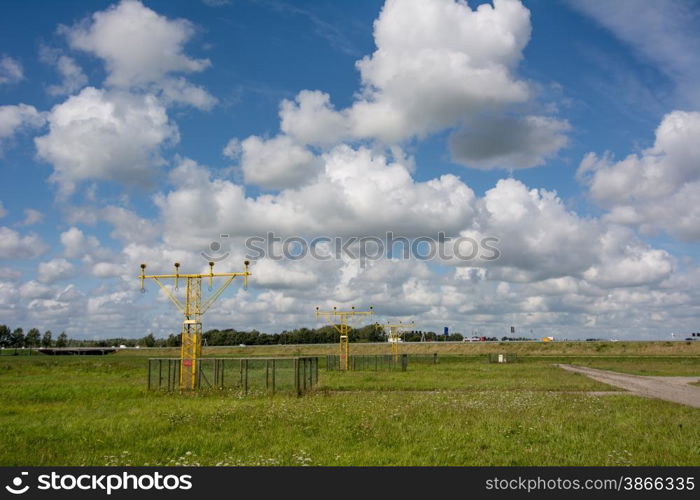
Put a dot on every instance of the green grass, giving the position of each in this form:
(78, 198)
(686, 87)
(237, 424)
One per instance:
(651, 366)
(463, 411)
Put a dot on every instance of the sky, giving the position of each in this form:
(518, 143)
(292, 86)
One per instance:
(564, 134)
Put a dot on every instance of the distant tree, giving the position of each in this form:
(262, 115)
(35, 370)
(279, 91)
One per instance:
(17, 338)
(173, 341)
(5, 336)
(148, 341)
(46, 339)
(33, 338)
(62, 340)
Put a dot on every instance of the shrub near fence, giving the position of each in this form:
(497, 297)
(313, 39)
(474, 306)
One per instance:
(296, 375)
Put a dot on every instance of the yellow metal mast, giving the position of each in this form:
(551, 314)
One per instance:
(394, 331)
(192, 309)
(340, 321)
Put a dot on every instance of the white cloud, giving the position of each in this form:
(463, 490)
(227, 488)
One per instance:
(76, 244)
(358, 192)
(31, 217)
(179, 90)
(507, 142)
(7, 273)
(35, 290)
(138, 45)
(10, 70)
(107, 270)
(106, 135)
(54, 270)
(656, 189)
(439, 65)
(276, 163)
(664, 33)
(14, 118)
(129, 227)
(438, 62)
(311, 119)
(72, 76)
(624, 262)
(15, 246)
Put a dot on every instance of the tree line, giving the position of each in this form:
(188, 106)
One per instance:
(33, 338)
(324, 335)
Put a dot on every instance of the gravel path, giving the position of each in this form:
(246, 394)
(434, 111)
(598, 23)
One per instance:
(675, 389)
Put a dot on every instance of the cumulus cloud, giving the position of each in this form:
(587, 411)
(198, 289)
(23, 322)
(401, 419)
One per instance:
(35, 290)
(625, 262)
(15, 246)
(656, 189)
(10, 70)
(72, 76)
(128, 226)
(14, 118)
(106, 135)
(358, 192)
(311, 119)
(507, 142)
(439, 65)
(143, 50)
(437, 62)
(76, 244)
(138, 45)
(54, 270)
(276, 163)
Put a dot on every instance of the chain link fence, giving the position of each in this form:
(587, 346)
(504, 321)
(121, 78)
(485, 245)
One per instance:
(380, 362)
(297, 375)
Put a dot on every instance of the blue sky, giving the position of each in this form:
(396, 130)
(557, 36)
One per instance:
(133, 131)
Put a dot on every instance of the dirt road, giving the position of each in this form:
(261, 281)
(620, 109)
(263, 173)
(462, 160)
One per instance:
(675, 389)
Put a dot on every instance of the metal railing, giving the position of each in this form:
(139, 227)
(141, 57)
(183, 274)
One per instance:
(292, 375)
(369, 362)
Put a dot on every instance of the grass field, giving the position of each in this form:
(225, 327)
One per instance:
(462, 411)
(597, 349)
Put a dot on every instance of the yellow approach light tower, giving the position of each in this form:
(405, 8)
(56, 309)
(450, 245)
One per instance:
(394, 331)
(193, 308)
(341, 320)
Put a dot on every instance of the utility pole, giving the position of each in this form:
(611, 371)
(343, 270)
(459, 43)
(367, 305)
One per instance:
(192, 309)
(340, 321)
(394, 332)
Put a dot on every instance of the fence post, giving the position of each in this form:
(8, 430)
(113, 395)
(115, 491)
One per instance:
(245, 380)
(404, 362)
(149, 374)
(170, 362)
(296, 376)
(434, 358)
(160, 374)
(267, 374)
(274, 369)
